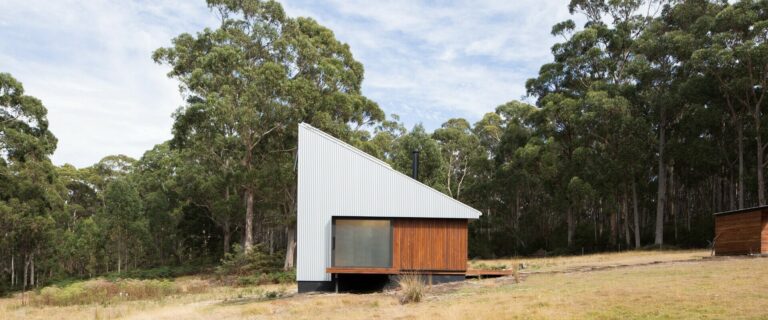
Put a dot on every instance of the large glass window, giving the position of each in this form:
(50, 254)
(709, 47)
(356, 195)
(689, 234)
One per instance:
(362, 243)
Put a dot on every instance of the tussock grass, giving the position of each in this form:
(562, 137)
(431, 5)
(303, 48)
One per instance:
(412, 288)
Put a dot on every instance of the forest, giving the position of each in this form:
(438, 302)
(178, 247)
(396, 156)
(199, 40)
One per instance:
(647, 120)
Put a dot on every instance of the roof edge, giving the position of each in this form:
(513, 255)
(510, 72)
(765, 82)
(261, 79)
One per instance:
(745, 210)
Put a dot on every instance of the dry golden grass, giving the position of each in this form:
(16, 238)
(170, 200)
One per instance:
(554, 264)
(700, 288)
(412, 288)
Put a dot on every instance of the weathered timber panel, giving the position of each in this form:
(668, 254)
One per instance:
(739, 233)
(429, 244)
(764, 233)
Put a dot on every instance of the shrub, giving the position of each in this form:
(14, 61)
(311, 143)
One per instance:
(267, 278)
(103, 291)
(411, 288)
(257, 261)
(155, 273)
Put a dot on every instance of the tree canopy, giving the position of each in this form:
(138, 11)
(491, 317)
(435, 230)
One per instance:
(648, 119)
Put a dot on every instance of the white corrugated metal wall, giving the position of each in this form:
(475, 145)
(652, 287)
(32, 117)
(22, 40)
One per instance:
(335, 179)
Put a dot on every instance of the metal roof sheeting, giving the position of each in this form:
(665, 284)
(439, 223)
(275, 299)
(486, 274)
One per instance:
(336, 179)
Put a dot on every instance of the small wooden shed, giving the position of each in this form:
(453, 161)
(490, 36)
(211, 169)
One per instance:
(742, 231)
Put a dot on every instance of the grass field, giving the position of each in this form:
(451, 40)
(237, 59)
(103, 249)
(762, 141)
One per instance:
(604, 286)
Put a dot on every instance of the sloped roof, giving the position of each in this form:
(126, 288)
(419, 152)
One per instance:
(725, 213)
(349, 182)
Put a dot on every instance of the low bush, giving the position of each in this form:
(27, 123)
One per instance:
(257, 261)
(103, 291)
(267, 278)
(412, 288)
(155, 273)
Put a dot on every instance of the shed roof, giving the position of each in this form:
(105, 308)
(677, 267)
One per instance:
(740, 210)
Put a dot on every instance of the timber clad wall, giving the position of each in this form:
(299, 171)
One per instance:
(429, 245)
(741, 233)
(764, 233)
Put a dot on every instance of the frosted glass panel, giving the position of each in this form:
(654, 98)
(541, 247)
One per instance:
(362, 243)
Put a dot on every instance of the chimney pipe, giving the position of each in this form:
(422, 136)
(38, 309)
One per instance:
(415, 164)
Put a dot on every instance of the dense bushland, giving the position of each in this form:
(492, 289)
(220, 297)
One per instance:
(648, 119)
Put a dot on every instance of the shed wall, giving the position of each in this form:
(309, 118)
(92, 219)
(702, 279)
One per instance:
(764, 234)
(429, 244)
(739, 233)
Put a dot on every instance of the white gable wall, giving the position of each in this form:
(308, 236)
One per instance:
(336, 179)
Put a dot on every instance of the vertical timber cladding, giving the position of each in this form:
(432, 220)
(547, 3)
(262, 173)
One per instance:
(429, 244)
(764, 233)
(740, 233)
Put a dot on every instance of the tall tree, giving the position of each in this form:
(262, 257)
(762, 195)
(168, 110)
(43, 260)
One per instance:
(254, 78)
(737, 56)
(126, 222)
(29, 194)
(460, 149)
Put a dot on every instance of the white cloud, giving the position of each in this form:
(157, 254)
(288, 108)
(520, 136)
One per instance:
(89, 61)
(445, 59)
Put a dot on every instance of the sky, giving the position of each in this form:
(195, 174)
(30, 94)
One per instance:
(426, 61)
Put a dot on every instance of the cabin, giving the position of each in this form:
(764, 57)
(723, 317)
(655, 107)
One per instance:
(361, 221)
(742, 231)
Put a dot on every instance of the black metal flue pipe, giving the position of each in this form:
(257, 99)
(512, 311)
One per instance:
(415, 165)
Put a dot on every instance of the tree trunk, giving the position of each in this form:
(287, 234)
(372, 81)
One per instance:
(594, 224)
(26, 273)
(673, 199)
(13, 272)
(271, 237)
(290, 251)
(625, 218)
(119, 258)
(612, 221)
(732, 190)
(661, 196)
(248, 220)
(740, 147)
(571, 225)
(32, 270)
(227, 230)
(636, 215)
(760, 160)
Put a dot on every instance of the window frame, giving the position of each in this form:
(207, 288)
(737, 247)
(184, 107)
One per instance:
(333, 240)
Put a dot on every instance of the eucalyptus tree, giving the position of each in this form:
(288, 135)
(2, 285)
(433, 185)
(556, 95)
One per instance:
(156, 176)
(29, 192)
(589, 93)
(737, 57)
(460, 150)
(431, 163)
(254, 78)
(127, 223)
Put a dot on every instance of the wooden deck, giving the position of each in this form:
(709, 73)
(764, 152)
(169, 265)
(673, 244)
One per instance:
(468, 273)
(489, 273)
(340, 270)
